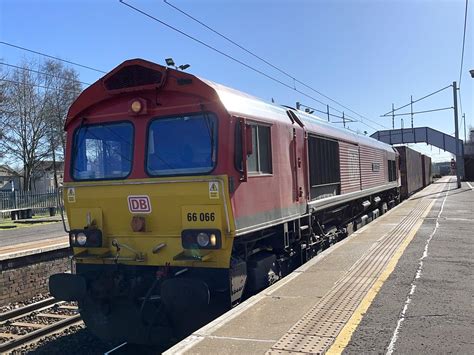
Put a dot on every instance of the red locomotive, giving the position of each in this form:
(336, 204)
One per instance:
(185, 196)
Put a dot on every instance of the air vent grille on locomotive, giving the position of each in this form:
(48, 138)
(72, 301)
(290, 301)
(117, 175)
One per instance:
(131, 76)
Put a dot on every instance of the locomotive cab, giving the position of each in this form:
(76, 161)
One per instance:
(148, 205)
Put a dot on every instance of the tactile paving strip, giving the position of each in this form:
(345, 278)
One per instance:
(323, 329)
(303, 343)
(319, 327)
(326, 315)
(283, 352)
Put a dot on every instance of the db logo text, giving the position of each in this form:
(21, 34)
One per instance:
(139, 204)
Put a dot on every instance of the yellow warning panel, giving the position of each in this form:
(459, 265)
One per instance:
(71, 195)
(213, 190)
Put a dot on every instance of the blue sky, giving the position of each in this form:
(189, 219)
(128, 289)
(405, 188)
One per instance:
(365, 54)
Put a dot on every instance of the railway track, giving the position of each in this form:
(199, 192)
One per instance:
(35, 321)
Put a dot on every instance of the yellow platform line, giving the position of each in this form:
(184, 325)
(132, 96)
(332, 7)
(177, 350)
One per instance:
(346, 333)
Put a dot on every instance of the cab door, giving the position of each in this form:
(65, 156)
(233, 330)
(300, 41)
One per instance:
(299, 160)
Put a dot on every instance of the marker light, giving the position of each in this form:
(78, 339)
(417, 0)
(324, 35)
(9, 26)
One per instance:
(81, 239)
(73, 238)
(202, 239)
(213, 239)
(136, 106)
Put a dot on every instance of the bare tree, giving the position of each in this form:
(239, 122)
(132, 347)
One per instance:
(64, 87)
(3, 81)
(34, 108)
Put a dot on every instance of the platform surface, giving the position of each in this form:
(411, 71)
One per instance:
(32, 240)
(403, 284)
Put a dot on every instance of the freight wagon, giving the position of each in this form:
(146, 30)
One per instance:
(426, 170)
(411, 171)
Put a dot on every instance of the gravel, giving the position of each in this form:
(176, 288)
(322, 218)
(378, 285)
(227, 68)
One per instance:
(34, 318)
(4, 339)
(12, 329)
(64, 311)
(74, 340)
(16, 305)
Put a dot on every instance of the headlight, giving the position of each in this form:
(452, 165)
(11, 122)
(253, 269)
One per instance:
(85, 238)
(201, 239)
(81, 239)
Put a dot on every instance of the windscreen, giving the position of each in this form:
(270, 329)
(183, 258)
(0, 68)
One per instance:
(102, 151)
(182, 145)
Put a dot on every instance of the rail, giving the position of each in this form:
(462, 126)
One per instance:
(37, 320)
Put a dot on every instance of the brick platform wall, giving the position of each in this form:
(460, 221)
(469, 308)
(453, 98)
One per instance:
(24, 277)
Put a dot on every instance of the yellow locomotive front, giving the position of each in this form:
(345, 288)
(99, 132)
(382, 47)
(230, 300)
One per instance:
(148, 206)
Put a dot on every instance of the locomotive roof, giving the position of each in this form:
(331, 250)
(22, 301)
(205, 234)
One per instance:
(242, 104)
(234, 101)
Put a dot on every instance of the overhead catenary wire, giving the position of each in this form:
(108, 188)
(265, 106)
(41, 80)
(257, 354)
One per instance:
(42, 73)
(215, 49)
(41, 86)
(53, 57)
(345, 118)
(389, 113)
(144, 13)
(426, 111)
(463, 43)
(267, 61)
(462, 55)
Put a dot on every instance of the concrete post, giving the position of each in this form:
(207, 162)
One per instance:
(456, 126)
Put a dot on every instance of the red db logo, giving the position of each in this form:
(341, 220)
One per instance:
(139, 204)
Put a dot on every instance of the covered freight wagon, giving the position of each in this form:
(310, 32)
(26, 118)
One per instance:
(411, 172)
(426, 169)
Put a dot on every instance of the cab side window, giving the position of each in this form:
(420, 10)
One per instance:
(260, 161)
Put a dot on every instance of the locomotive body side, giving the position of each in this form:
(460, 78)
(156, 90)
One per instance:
(272, 190)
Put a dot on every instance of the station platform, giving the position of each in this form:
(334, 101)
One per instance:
(31, 248)
(402, 284)
(15, 243)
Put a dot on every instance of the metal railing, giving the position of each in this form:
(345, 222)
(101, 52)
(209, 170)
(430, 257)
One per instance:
(39, 202)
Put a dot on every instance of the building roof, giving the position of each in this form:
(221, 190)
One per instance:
(5, 169)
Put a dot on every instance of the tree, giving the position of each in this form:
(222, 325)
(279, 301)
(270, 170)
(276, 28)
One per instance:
(3, 78)
(34, 107)
(64, 87)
